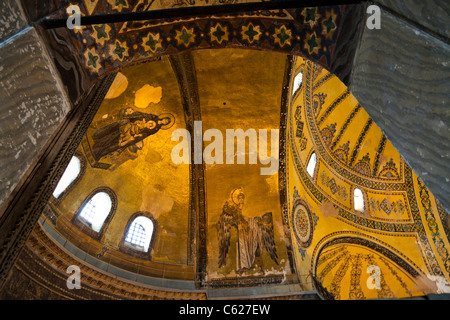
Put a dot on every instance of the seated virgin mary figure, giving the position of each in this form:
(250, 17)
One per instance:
(130, 129)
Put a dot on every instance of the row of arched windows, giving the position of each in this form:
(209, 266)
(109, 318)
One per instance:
(358, 197)
(99, 208)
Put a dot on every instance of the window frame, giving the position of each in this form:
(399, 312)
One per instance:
(76, 219)
(295, 91)
(313, 176)
(74, 182)
(363, 199)
(126, 248)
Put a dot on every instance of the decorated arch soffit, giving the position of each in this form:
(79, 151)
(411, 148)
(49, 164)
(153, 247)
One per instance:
(400, 215)
(311, 32)
(127, 148)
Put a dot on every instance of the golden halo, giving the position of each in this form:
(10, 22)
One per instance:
(235, 195)
(172, 120)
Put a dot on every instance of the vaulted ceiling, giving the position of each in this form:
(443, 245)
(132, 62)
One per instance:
(220, 229)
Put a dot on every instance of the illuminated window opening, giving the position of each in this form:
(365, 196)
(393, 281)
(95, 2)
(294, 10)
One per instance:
(139, 234)
(70, 174)
(311, 164)
(358, 200)
(96, 210)
(297, 82)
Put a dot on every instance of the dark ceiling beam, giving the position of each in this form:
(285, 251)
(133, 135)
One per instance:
(189, 12)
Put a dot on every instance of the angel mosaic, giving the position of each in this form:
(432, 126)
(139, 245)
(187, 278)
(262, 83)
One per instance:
(253, 234)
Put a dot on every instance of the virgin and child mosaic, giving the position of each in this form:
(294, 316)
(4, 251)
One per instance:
(124, 133)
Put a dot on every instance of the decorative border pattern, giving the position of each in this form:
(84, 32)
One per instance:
(415, 228)
(351, 175)
(372, 243)
(310, 32)
(283, 170)
(433, 228)
(303, 221)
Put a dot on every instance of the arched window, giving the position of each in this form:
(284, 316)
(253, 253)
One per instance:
(139, 234)
(358, 200)
(297, 82)
(70, 174)
(96, 212)
(311, 164)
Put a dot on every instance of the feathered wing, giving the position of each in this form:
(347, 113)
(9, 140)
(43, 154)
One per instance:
(266, 227)
(223, 234)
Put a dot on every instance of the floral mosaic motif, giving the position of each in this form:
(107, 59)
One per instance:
(118, 50)
(329, 24)
(327, 133)
(298, 113)
(389, 170)
(152, 42)
(303, 221)
(299, 131)
(310, 16)
(318, 101)
(356, 292)
(100, 33)
(363, 166)
(288, 30)
(341, 191)
(335, 288)
(219, 33)
(333, 105)
(282, 36)
(312, 43)
(251, 33)
(385, 291)
(185, 36)
(341, 153)
(356, 263)
(92, 60)
(397, 207)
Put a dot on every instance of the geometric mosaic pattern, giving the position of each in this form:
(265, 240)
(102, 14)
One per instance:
(423, 221)
(304, 31)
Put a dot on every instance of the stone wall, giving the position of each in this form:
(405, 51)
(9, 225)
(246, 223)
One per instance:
(400, 76)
